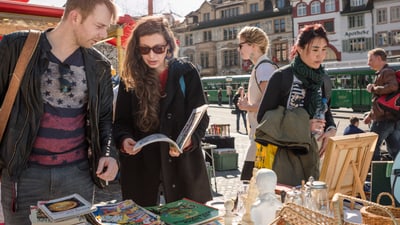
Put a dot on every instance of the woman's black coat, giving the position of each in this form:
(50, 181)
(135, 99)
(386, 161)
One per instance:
(142, 174)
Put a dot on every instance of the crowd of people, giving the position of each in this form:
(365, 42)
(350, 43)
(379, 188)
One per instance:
(63, 123)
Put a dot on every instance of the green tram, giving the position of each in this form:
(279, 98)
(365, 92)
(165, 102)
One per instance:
(349, 89)
(350, 86)
(212, 84)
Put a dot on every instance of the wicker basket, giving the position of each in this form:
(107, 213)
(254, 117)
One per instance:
(337, 201)
(294, 214)
(372, 215)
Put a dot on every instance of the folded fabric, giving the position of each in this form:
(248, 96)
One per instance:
(285, 128)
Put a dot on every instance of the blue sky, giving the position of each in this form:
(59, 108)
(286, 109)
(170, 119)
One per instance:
(139, 7)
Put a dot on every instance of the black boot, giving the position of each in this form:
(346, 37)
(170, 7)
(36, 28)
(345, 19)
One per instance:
(247, 171)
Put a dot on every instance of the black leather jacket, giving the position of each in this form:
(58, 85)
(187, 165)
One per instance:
(27, 111)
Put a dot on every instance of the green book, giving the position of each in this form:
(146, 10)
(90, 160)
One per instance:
(185, 211)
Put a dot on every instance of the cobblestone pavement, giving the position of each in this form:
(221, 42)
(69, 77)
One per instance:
(228, 182)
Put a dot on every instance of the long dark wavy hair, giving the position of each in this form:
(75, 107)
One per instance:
(141, 78)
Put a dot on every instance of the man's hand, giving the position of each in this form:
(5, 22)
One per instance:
(367, 119)
(107, 168)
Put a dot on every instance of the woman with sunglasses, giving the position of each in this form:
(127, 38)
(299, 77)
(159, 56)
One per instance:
(302, 86)
(157, 94)
(253, 46)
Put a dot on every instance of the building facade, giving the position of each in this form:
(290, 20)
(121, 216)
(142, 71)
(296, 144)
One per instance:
(208, 36)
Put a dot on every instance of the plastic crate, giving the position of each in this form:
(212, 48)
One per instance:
(226, 161)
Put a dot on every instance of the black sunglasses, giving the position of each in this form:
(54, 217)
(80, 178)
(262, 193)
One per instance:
(158, 49)
(65, 85)
(241, 44)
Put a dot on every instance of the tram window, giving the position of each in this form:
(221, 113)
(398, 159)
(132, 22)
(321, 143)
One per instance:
(363, 81)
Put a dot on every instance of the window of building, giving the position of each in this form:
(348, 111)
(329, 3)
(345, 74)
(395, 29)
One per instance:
(361, 44)
(255, 24)
(395, 14)
(395, 37)
(355, 3)
(382, 39)
(207, 36)
(330, 6)
(381, 16)
(329, 26)
(226, 13)
(302, 9)
(230, 33)
(253, 7)
(204, 60)
(315, 7)
(280, 4)
(279, 25)
(231, 58)
(188, 39)
(358, 44)
(356, 21)
(206, 17)
(281, 52)
(190, 57)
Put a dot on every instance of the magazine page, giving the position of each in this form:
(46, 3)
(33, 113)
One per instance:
(184, 136)
(155, 138)
(191, 125)
(185, 211)
(125, 212)
(65, 208)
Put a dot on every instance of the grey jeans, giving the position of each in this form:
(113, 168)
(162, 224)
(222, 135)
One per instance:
(42, 183)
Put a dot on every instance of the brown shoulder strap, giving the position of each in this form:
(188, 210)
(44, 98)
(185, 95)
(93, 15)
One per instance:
(19, 71)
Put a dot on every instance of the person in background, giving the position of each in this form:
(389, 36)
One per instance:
(253, 46)
(384, 123)
(229, 94)
(219, 95)
(62, 115)
(352, 128)
(157, 94)
(301, 84)
(239, 113)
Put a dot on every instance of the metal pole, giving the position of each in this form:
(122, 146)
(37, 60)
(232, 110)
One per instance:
(150, 7)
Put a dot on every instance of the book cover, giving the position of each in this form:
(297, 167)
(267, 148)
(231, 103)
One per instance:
(65, 208)
(185, 211)
(37, 217)
(184, 136)
(125, 212)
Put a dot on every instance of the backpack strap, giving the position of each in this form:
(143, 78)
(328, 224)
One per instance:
(182, 84)
(255, 69)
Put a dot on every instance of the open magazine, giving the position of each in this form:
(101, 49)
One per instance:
(184, 136)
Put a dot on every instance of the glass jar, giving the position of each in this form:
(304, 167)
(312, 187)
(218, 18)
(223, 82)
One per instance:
(319, 196)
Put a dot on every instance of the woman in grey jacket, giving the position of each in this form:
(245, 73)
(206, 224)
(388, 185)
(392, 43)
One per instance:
(157, 95)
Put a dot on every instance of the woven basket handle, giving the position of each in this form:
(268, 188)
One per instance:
(337, 201)
(378, 199)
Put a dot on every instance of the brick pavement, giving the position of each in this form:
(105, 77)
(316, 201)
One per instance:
(228, 182)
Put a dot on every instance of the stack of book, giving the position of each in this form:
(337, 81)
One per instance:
(68, 210)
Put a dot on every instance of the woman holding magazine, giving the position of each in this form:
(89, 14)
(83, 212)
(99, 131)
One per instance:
(157, 95)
